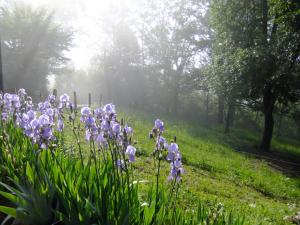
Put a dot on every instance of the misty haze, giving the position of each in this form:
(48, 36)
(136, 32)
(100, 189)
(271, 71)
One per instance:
(151, 112)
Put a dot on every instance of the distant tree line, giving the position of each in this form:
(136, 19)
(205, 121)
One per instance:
(215, 60)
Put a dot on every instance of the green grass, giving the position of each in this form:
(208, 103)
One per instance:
(217, 172)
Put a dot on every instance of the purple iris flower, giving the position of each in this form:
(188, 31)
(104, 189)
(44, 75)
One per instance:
(86, 111)
(64, 98)
(4, 116)
(44, 120)
(41, 106)
(38, 129)
(176, 171)
(50, 112)
(101, 140)
(47, 133)
(176, 165)
(105, 125)
(109, 108)
(7, 97)
(60, 125)
(31, 114)
(34, 124)
(15, 101)
(98, 113)
(90, 122)
(130, 151)
(22, 92)
(162, 143)
(116, 127)
(173, 147)
(173, 152)
(51, 98)
(24, 121)
(86, 116)
(159, 125)
(128, 130)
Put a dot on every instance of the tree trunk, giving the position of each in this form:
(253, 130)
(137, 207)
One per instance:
(230, 115)
(174, 108)
(220, 109)
(268, 104)
(279, 124)
(256, 117)
(207, 103)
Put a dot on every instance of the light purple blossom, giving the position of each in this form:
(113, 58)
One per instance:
(99, 113)
(159, 125)
(31, 114)
(64, 102)
(50, 112)
(44, 120)
(116, 127)
(64, 98)
(22, 92)
(128, 130)
(38, 129)
(109, 109)
(176, 171)
(4, 116)
(85, 111)
(176, 165)
(60, 125)
(105, 125)
(161, 143)
(101, 141)
(51, 98)
(130, 151)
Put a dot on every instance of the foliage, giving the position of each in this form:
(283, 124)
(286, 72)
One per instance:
(52, 186)
(220, 170)
(33, 46)
(255, 54)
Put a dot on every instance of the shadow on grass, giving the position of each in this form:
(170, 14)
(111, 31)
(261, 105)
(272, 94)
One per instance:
(285, 154)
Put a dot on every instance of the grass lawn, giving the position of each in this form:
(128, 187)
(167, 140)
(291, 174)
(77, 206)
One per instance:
(218, 171)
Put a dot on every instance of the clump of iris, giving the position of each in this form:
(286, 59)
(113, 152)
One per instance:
(173, 153)
(103, 128)
(38, 124)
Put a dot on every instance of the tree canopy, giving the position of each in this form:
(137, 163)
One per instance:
(33, 46)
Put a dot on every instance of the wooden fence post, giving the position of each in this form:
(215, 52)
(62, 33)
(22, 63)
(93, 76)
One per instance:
(55, 93)
(100, 103)
(75, 101)
(90, 99)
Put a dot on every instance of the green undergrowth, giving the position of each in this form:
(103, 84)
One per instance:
(218, 168)
(218, 172)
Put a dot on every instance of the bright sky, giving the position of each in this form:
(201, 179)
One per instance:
(87, 19)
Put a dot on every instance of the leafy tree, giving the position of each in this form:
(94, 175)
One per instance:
(256, 54)
(232, 42)
(119, 69)
(33, 47)
(174, 34)
(280, 48)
